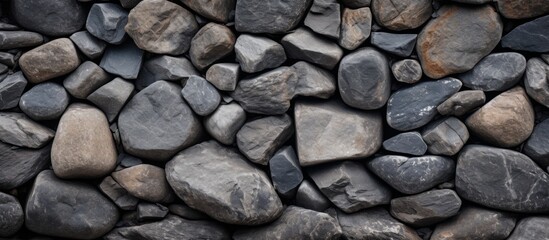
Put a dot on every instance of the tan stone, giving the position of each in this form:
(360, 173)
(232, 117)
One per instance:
(146, 182)
(356, 25)
(211, 42)
(520, 9)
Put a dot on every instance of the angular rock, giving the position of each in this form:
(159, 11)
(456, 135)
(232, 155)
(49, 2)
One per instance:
(302, 44)
(350, 186)
(407, 71)
(308, 196)
(161, 27)
(462, 103)
(11, 89)
(401, 45)
(123, 60)
(531, 228)
(19, 165)
(458, 39)
(187, 212)
(364, 79)
(412, 175)
(8, 59)
(164, 68)
(224, 123)
(495, 72)
(224, 76)
(11, 215)
(118, 194)
(150, 211)
(537, 146)
(259, 139)
(144, 181)
(17, 129)
(270, 16)
(53, 59)
(426, 208)
(536, 81)
(217, 10)
(19, 39)
(415, 106)
(408, 143)
(313, 81)
(255, 53)
(375, 223)
(85, 79)
(522, 9)
(111, 97)
(285, 171)
(54, 18)
(401, 15)
(446, 136)
(201, 96)
(106, 21)
(88, 44)
(324, 18)
(356, 25)
(156, 123)
(221, 183)
(44, 101)
(511, 109)
(211, 43)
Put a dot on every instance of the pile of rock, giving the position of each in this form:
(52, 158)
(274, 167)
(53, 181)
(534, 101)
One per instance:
(269, 119)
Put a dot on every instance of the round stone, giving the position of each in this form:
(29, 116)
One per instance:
(45, 101)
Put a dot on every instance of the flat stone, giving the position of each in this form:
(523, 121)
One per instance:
(255, 53)
(11, 89)
(522, 9)
(495, 72)
(511, 109)
(364, 79)
(313, 81)
(349, 185)
(493, 182)
(151, 211)
(400, 45)
(537, 146)
(123, 60)
(19, 39)
(308, 196)
(446, 136)
(19, 165)
(531, 228)
(53, 59)
(407, 71)
(87, 78)
(201, 96)
(302, 44)
(187, 212)
(106, 21)
(19, 130)
(156, 123)
(44, 101)
(118, 194)
(324, 18)
(269, 16)
(458, 39)
(75, 209)
(221, 183)
(330, 131)
(356, 25)
(408, 143)
(126, 3)
(11, 215)
(401, 15)
(224, 76)
(92, 47)
(259, 139)
(217, 10)
(285, 171)
(164, 68)
(161, 27)
(411, 175)
(426, 208)
(536, 81)
(83, 146)
(53, 18)
(374, 223)
(112, 96)
(413, 107)
(224, 123)
(475, 222)
(462, 103)
(8, 27)
(211, 43)
(144, 181)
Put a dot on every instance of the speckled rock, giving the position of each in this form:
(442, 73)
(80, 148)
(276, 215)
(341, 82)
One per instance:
(426, 208)
(270, 16)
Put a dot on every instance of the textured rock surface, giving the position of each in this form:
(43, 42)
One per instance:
(11, 89)
(224, 123)
(401, 15)
(123, 60)
(11, 215)
(118, 194)
(407, 71)
(408, 143)
(536, 80)
(356, 25)
(426, 208)
(19, 39)
(537, 146)
(313, 81)
(308, 196)
(53, 59)
(217, 10)
(255, 53)
(285, 171)
(532, 36)
(324, 18)
(224, 76)
(88, 44)
(271, 16)
(45, 101)
(144, 181)
(201, 96)
(522, 9)
(462, 103)
(495, 72)
(374, 223)
(106, 21)
(210, 43)
(111, 97)
(446, 136)
(398, 44)
(531, 228)
(302, 44)
(19, 165)
(85, 79)
(17, 129)
(164, 68)
(53, 18)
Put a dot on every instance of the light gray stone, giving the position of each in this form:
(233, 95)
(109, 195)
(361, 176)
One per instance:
(201, 96)
(224, 123)
(255, 53)
(324, 18)
(112, 96)
(224, 76)
(302, 44)
(313, 81)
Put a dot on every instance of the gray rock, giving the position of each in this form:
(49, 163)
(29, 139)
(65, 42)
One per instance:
(44, 101)
(401, 45)
(495, 72)
(349, 185)
(536, 81)
(201, 96)
(375, 223)
(123, 60)
(54, 18)
(255, 53)
(11, 215)
(401, 15)
(285, 171)
(92, 47)
(426, 208)
(87, 78)
(408, 143)
(151, 211)
(211, 43)
(145, 181)
(302, 44)
(407, 71)
(269, 93)
(156, 123)
(224, 76)
(19, 165)
(308, 196)
(271, 16)
(161, 27)
(106, 21)
(19, 39)
(19, 130)
(415, 106)
(11, 89)
(446, 136)
(187, 212)
(356, 25)
(462, 103)
(532, 36)
(112, 96)
(545, 58)
(118, 194)
(8, 27)
(324, 18)
(3, 68)
(313, 81)
(413, 175)
(128, 3)
(329, 131)
(522, 9)
(126, 160)
(537, 146)
(492, 182)
(74, 209)
(217, 10)
(221, 183)
(364, 79)
(224, 123)
(475, 223)
(164, 68)
(8, 59)
(531, 228)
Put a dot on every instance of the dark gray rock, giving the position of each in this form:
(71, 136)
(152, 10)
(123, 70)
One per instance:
(408, 143)
(412, 175)
(145, 181)
(426, 208)
(85, 79)
(401, 45)
(187, 212)
(415, 106)
(11, 215)
(111, 97)
(537, 146)
(302, 44)
(126, 3)
(531, 228)
(407, 71)
(118, 194)
(19, 130)
(3, 68)
(495, 72)
(19, 39)
(446, 136)
(74, 209)
(54, 18)
(224, 123)
(364, 79)
(462, 103)
(224, 76)
(532, 36)
(255, 53)
(106, 21)
(512, 9)
(504, 179)
(7, 59)
(151, 211)
(308, 196)
(324, 18)
(92, 47)
(356, 3)
(401, 15)
(211, 43)
(123, 60)
(349, 185)
(126, 160)
(313, 81)
(271, 16)
(285, 171)
(356, 25)
(11, 89)
(44, 101)
(201, 96)
(8, 27)
(19, 165)
(165, 68)
(221, 183)
(295, 223)
(217, 10)
(156, 123)
(536, 81)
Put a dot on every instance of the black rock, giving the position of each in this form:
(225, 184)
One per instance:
(112, 96)
(324, 18)
(85, 79)
(495, 72)
(531, 228)
(374, 223)
(106, 21)
(285, 171)
(537, 146)
(11, 215)
(165, 68)
(408, 143)
(151, 211)
(426, 208)
(532, 36)
(201, 95)
(118, 194)
(88, 44)
(401, 45)
(11, 89)
(19, 39)
(44, 101)
(308, 196)
(19, 165)
(123, 60)
(446, 136)
(269, 16)
(54, 18)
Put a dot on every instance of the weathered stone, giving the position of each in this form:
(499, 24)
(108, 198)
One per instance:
(364, 79)
(356, 25)
(324, 18)
(462, 103)
(187, 212)
(412, 175)
(518, 9)
(224, 123)
(74, 209)
(165, 68)
(11, 215)
(161, 27)
(415, 106)
(532, 36)
(495, 72)
(458, 39)
(313, 81)
(156, 123)
(473, 1)
(537, 146)
(531, 228)
(151, 211)
(285, 171)
(44, 101)
(255, 53)
(536, 81)
(19, 39)
(408, 143)
(270, 16)
(54, 18)
(106, 21)
(375, 223)
(85, 79)
(111, 97)
(401, 15)
(19, 165)
(53, 59)
(217, 10)
(224, 76)
(8, 59)
(446, 136)
(11, 89)
(511, 109)
(302, 44)
(426, 208)
(211, 43)
(407, 71)
(201, 96)
(220, 182)
(401, 45)
(356, 3)
(88, 44)
(17, 129)
(118, 194)
(349, 185)
(308, 196)
(123, 60)
(126, 3)
(144, 181)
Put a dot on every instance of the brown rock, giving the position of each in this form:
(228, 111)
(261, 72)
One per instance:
(356, 25)
(217, 10)
(402, 14)
(51, 60)
(519, 9)
(146, 182)
(211, 43)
